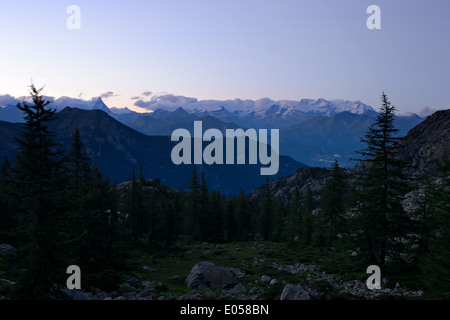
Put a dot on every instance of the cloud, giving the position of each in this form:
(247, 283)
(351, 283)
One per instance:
(166, 101)
(107, 95)
(147, 93)
(144, 104)
(7, 100)
(135, 98)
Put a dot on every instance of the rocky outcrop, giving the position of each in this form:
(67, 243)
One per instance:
(283, 188)
(206, 275)
(294, 292)
(427, 143)
(312, 288)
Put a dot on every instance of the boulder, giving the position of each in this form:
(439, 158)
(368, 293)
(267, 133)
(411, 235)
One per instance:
(148, 294)
(6, 283)
(265, 279)
(76, 294)
(293, 292)
(316, 291)
(6, 249)
(205, 275)
(307, 291)
(147, 269)
(237, 289)
(273, 282)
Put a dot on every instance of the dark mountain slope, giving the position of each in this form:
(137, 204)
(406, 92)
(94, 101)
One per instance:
(428, 143)
(118, 149)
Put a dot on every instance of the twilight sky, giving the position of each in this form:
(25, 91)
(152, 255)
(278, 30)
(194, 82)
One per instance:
(226, 49)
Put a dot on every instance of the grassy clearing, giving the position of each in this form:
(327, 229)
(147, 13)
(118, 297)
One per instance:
(255, 259)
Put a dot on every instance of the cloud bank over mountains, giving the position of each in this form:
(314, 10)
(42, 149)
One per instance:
(153, 101)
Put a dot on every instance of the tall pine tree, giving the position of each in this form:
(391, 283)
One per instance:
(383, 186)
(332, 201)
(39, 190)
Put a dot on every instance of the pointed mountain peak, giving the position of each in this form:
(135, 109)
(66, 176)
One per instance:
(100, 105)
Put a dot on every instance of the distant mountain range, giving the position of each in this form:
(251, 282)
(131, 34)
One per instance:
(424, 147)
(119, 149)
(314, 132)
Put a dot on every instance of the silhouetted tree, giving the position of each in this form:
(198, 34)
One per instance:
(383, 186)
(42, 205)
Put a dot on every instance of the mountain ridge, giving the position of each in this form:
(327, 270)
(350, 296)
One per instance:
(118, 149)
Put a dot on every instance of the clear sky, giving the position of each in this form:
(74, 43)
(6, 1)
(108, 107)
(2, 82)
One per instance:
(226, 49)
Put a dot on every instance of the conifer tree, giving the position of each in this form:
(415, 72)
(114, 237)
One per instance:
(244, 219)
(230, 219)
(194, 205)
(204, 213)
(308, 207)
(332, 201)
(383, 186)
(266, 214)
(39, 190)
(293, 220)
(216, 224)
(6, 198)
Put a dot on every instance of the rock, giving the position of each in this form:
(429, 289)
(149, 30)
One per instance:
(195, 296)
(265, 279)
(149, 284)
(148, 294)
(237, 289)
(127, 286)
(238, 272)
(174, 277)
(6, 249)
(205, 275)
(209, 294)
(293, 292)
(147, 269)
(273, 282)
(6, 283)
(316, 291)
(76, 294)
(206, 252)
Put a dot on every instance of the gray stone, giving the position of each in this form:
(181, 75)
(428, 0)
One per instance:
(127, 286)
(195, 296)
(147, 269)
(205, 275)
(293, 292)
(6, 283)
(209, 294)
(237, 289)
(265, 279)
(273, 282)
(148, 294)
(6, 249)
(76, 294)
(149, 284)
